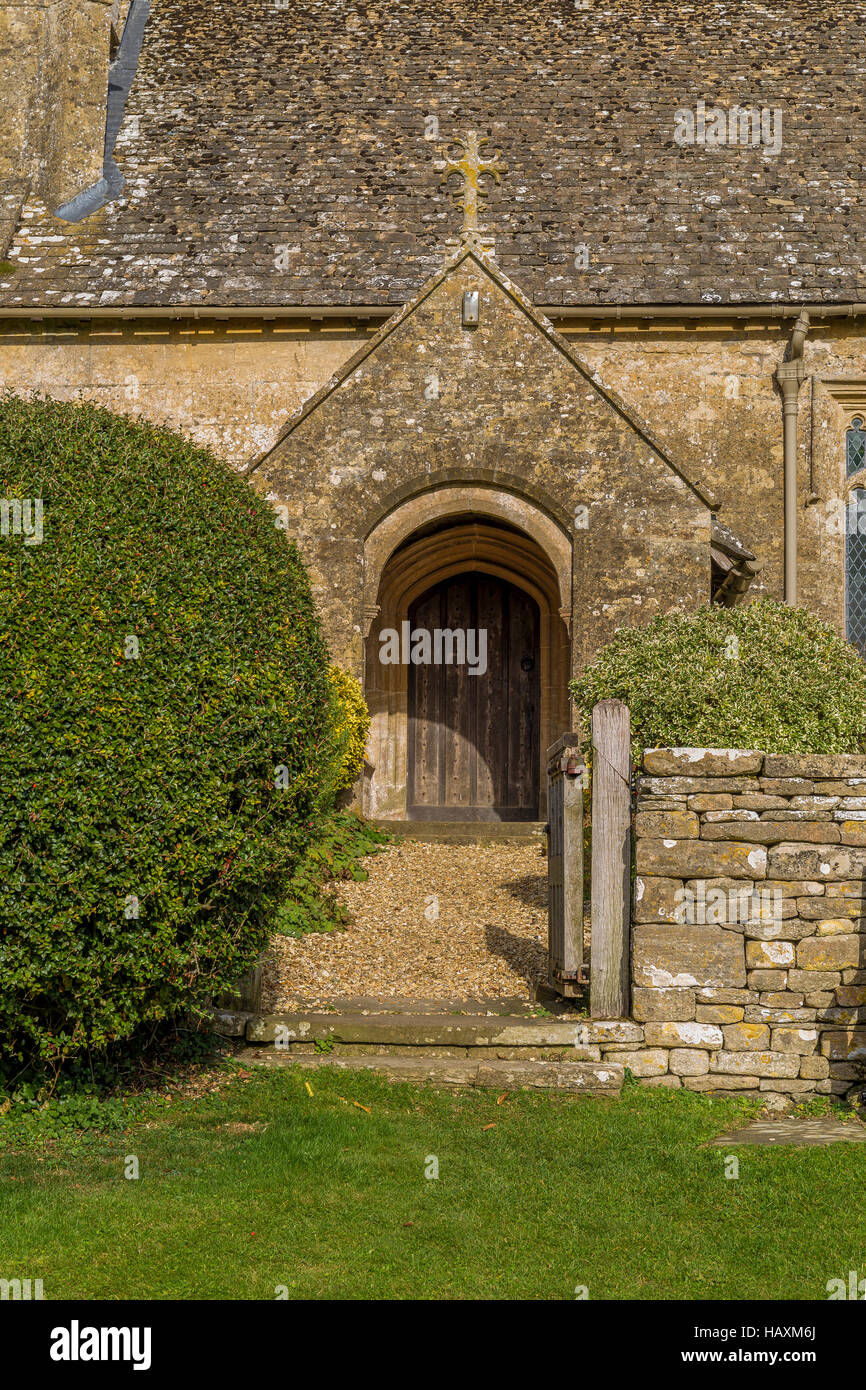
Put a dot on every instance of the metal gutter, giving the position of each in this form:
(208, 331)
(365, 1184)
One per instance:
(383, 311)
(699, 311)
(790, 375)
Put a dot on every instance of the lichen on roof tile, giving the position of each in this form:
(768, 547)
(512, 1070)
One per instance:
(251, 127)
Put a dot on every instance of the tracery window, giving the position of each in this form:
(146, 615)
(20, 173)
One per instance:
(855, 447)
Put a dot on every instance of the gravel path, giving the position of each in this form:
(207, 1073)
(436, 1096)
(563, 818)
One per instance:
(433, 921)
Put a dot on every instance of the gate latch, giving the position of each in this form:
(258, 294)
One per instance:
(580, 976)
(571, 766)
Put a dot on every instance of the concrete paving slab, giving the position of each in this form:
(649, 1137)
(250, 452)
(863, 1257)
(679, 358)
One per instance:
(801, 1132)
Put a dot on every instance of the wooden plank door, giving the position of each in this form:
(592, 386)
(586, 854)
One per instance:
(473, 739)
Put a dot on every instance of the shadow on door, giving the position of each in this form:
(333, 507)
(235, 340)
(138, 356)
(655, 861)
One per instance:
(473, 744)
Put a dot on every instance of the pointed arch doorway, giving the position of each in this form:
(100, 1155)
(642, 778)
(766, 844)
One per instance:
(445, 744)
(473, 729)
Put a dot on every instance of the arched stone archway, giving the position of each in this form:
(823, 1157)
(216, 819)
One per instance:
(440, 505)
(433, 550)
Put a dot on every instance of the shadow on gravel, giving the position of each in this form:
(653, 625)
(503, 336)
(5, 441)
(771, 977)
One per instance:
(531, 889)
(527, 958)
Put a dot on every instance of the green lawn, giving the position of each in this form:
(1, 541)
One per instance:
(260, 1184)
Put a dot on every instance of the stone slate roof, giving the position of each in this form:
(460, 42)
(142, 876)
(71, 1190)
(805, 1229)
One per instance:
(304, 128)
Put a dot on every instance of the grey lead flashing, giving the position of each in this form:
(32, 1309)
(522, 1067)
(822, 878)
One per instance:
(121, 75)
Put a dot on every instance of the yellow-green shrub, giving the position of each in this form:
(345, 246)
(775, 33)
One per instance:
(761, 676)
(352, 725)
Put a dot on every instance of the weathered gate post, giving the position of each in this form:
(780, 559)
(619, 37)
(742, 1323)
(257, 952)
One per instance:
(247, 995)
(611, 859)
(566, 779)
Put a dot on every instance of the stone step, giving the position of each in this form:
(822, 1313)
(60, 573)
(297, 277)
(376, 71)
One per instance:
(587, 1078)
(475, 1008)
(566, 1053)
(459, 1030)
(232, 1023)
(463, 832)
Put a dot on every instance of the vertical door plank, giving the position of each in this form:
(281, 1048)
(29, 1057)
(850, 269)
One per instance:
(522, 753)
(491, 697)
(458, 718)
(425, 725)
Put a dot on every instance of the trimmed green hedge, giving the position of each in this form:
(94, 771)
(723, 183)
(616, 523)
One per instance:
(167, 728)
(762, 676)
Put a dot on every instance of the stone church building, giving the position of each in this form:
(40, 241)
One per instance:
(531, 321)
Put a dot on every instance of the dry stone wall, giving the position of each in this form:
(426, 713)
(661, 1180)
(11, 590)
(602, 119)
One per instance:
(749, 925)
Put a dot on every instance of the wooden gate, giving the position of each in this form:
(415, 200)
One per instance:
(611, 862)
(565, 788)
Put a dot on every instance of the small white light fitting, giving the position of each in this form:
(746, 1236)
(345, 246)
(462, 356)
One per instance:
(470, 309)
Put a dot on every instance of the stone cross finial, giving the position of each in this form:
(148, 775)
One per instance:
(471, 166)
